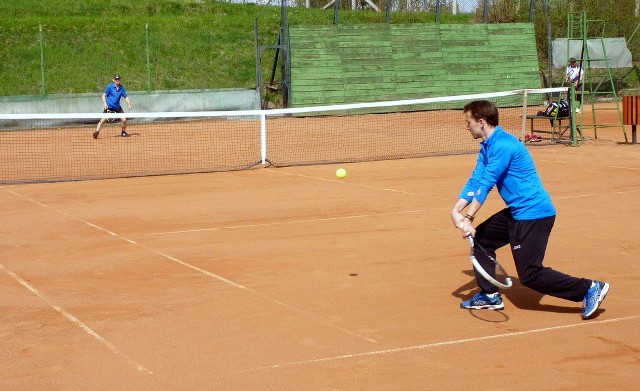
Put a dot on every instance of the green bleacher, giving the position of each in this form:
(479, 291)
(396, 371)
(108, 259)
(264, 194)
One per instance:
(378, 62)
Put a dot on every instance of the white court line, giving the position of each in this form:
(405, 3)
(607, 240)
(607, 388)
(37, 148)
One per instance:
(341, 181)
(435, 196)
(278, 171)
(202, 271)
(439, 344)
(348, 217)
(291, 222)
(587, 164)
(74, 320)
(421, 210)
(256, 293)
(595, 194)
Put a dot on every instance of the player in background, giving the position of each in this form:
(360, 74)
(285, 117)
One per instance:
(111, 103)
(575, 74)
(525, 225)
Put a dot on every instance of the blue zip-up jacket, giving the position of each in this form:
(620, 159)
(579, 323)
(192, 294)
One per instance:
(505, 162)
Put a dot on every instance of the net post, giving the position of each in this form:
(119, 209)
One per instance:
(525, 95)
(263, 137)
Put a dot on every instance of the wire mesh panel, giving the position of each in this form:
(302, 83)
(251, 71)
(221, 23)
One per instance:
(60, 147)
(383, 130)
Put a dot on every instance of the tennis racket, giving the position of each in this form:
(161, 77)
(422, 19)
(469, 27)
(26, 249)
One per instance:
(111, 112)
(502, 279)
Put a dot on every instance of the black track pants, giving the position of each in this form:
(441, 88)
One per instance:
(528, 240)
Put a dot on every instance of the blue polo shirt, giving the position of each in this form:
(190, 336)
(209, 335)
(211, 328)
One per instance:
(504, 162)
(114, 94)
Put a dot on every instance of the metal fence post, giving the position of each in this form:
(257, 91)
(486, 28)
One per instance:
(531, 7)
(148, 50)
(388, 11)
(486, 11)
(42, 74)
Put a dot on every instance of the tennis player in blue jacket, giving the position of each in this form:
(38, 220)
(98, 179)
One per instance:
(505, 163)
(111, 103)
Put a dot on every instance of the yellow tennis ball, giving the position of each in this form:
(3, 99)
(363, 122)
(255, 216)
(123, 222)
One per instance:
(341, 173)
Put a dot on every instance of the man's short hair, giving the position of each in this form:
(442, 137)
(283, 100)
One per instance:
(483, 109)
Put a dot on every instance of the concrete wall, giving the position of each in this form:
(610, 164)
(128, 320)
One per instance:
(157, 101)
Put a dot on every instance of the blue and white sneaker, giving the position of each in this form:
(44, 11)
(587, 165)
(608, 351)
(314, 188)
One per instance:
(481, 301)
(593, 298)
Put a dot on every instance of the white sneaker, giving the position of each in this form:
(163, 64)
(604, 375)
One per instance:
(577, 110)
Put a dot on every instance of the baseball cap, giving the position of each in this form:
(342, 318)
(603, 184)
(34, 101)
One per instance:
(117, 76)
(572, 59)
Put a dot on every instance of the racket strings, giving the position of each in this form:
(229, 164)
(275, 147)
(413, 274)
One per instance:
(497, 275)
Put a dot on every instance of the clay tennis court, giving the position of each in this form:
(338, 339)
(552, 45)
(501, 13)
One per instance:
(290, 279)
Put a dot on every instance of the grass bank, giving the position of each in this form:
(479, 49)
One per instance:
(74, 46)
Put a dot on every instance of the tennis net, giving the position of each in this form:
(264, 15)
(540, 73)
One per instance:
(60, 147)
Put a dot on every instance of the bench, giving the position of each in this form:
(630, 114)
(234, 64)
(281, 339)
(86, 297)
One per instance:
(557, 130)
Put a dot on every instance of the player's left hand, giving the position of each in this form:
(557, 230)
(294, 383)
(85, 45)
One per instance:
(466, 226)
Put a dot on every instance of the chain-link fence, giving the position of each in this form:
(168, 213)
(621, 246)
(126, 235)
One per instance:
(620, 18)
(82, 57)
(445, 6)
(218, 50)
(608, 19)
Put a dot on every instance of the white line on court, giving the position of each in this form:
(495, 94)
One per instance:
(74, 320)
(202, 271)
(435, 196)
(352, 216)
(256, 293)
(349, 183)
(596, 195)
(585, 164)
(439, 344)
(312, 220)
(292, 222)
